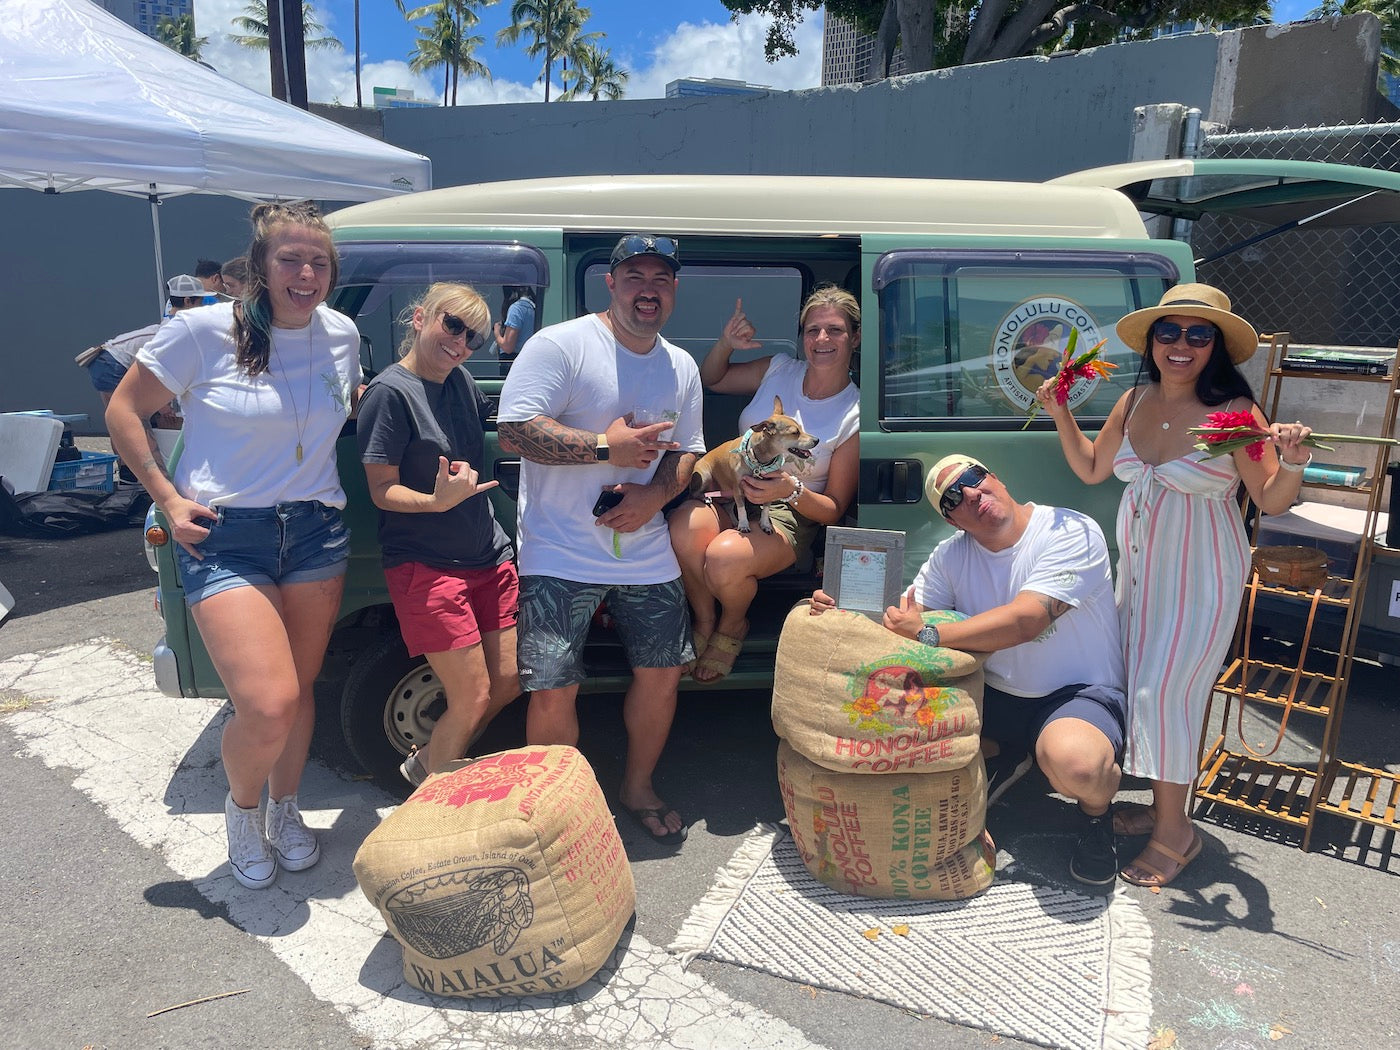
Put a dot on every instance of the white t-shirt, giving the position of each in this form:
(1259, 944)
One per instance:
(834, 419)
(241, 432)
(577, 374)
(1062, 555)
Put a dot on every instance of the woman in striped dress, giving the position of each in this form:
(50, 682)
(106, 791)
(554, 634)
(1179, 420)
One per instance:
(1183, 554)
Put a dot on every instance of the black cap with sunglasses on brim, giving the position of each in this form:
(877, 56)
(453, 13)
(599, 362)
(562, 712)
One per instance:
(667, 249)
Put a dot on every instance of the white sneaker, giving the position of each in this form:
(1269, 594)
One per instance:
(248, 852)
(290, 839)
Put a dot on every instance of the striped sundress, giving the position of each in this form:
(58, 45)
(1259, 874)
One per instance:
(1182, 559)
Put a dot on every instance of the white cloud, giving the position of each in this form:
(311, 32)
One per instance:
(732, 50)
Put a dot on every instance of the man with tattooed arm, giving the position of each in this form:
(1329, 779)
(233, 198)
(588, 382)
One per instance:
(593, 482)
(1035, 585)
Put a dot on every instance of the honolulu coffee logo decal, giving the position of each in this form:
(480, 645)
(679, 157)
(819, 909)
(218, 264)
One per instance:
(1030, 343)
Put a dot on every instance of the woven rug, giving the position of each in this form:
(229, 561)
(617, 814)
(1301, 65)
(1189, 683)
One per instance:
(1036, 963)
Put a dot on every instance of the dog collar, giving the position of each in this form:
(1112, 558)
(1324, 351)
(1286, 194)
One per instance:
(754, 467)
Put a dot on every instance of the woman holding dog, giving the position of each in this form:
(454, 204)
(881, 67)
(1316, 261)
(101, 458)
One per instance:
(254, 504)
(721, 566)
(1183, 553)
(447, 562)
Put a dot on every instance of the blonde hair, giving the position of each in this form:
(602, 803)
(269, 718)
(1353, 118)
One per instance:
(460, 300)
(836, 297)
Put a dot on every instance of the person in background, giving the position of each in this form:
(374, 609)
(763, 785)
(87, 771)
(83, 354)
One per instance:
(447, 562)
(1035, 585)
(592, 487)
(254, 505)
(718, 562)
(234, 275)
(1182, 550)
(210, 274)
(517, 324)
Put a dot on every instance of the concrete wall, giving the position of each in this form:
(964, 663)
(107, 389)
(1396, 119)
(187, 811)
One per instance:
(80, 267)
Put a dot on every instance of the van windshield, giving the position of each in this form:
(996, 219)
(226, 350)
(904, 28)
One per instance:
(972, 335)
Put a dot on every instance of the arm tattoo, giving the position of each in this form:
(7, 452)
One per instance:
(544, 440)
(1054, 607)
(673, 472)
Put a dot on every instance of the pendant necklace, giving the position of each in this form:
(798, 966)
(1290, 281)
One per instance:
(286, 378)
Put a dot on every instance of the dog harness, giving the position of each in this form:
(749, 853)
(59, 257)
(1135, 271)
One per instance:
(761, 470)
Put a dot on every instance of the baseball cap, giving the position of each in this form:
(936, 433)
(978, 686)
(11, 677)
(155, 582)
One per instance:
(940, 477)
(667, 249)
(183, 286)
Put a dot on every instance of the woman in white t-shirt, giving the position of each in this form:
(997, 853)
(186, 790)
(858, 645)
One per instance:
(721, 565)
(254, 505)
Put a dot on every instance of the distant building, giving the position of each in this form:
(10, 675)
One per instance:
(145, 15)
(400, 98)
(848, 55)
(716, 86)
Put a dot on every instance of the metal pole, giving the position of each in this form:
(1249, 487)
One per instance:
(1190, 149)
(154, 199)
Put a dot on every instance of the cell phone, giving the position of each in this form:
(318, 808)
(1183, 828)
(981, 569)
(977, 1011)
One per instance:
(607, 500)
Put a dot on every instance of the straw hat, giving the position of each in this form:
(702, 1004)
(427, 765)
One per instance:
(1193, 300)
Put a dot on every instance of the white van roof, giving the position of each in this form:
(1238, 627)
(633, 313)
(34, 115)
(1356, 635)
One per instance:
(760, 204)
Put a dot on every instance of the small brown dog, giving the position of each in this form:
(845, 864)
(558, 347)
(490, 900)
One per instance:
(778, 445)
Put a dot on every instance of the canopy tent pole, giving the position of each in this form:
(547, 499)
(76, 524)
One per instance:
(1291, 225)
(154, 198)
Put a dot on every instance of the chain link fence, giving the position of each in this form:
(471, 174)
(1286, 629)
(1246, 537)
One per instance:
(1325, 285)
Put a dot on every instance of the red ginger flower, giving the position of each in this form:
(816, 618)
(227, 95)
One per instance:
(1235, 427)
(1072, 369)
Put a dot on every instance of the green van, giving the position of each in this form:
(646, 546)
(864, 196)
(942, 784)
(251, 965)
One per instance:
(969, 291)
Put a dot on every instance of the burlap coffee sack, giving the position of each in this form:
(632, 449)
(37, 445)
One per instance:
(503, 877)
(917, 836)
(856, 698)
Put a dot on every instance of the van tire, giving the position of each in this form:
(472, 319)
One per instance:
(390, 704)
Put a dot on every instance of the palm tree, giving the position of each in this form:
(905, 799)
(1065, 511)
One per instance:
(463, 15)
(440, 43)
(595, 74)
(178, 34)
(555, 29)
(253, 22)
(359, 99)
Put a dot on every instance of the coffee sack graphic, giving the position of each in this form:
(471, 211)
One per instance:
(455, 913)
(1029, 344)
(488, 779)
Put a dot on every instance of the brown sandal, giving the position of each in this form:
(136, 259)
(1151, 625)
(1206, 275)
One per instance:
(1156, 878)
(720, 654)
(1133, 818)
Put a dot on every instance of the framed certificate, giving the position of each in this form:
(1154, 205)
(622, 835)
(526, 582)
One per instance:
(864, 569)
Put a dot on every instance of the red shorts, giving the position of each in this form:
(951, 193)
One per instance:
(444, 609)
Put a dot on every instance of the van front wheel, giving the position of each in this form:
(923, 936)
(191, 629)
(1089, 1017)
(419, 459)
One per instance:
(390, 704)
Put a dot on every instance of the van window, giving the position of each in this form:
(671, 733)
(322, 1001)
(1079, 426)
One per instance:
(380, 281)
(972, 335)
(705, 298)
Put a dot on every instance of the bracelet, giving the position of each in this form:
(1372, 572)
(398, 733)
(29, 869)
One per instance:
(797, 489)
(1295, 468)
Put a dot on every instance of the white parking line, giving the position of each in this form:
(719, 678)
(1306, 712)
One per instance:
(152, 763)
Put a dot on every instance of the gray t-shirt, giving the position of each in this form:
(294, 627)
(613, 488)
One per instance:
(408, 422)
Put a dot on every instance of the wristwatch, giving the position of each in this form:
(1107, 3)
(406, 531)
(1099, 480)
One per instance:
(600, 450)
(929, 636)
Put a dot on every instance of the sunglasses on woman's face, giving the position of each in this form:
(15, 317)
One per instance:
(1198, 335)
(455, 326)
(953, 496)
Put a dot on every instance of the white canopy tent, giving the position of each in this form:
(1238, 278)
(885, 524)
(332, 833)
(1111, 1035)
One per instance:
(89, 103)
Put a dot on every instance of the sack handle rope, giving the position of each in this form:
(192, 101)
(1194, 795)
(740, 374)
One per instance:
(1297, 671)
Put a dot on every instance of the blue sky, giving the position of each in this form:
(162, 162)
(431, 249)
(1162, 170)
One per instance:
(655, 40)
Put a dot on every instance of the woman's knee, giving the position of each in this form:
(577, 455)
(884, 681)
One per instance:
(269, 716)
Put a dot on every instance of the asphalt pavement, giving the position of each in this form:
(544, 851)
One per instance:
(1258, 944)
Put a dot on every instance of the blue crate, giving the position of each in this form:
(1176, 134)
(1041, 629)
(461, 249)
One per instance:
(95, 471)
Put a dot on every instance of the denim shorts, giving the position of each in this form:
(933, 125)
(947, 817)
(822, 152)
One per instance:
(106, 372)
(248, 546)
(652, 619)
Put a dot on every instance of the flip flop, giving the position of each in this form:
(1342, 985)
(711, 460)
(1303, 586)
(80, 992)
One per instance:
(1133, 818)
(720, 655)
(658, 813)
(1156, 878)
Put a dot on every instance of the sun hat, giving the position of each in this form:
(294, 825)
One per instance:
(667, 249)
(183, 286)
(1193, 300)
(934, 489)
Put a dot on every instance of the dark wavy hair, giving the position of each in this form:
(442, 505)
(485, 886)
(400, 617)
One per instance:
(1220, 381)
(252, 318)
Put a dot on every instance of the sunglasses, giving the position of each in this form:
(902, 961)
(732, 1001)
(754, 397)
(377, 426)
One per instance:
(1198, 335)
(953, 495)
(641, 244)
(455, 326)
